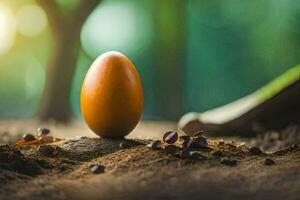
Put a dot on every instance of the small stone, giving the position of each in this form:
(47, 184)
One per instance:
(43, 131)
(97, 169)
(46, 150)
(269, 161)
(170, 137)
(63, 167)
(228, 161)
(28, 137)
(171, 149)
(255, 151)
(154, 145)
(124, 145)
(199, 142)
(184, 154)
(46, 138)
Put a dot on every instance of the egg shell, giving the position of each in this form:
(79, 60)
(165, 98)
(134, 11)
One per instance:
(112, 96)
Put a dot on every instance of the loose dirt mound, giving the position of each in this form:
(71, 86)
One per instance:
(134, 171)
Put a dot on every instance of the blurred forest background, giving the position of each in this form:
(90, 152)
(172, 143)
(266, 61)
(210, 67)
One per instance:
(192, 55)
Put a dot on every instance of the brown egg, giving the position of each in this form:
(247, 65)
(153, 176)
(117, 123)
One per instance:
(112, 96)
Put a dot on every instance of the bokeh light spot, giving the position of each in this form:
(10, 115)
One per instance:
(31, 20)
(115, 26)
(7, 29)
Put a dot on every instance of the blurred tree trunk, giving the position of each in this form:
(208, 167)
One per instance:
(66, 29)
(170, 31)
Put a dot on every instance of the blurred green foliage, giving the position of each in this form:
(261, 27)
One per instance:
(231, 48)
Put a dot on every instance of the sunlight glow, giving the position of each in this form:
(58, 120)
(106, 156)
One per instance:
(31, 20)
(7, 29)
(112, 26)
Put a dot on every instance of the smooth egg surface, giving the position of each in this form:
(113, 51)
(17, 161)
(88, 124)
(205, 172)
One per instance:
(112, 96)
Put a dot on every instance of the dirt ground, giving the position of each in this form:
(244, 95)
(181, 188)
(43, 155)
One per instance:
(135, 171)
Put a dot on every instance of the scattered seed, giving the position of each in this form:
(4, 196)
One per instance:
(28, 137)
(228, 161)
(170, 137)
(255, 151)
(43, 131)
(45, 138)
(199, 142)
(187, 144)
(46, 150)
(171, 149)
(269, 161)
(154, 145)
(97, 169)
(187, 141)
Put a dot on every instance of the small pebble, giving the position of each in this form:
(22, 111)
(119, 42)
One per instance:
(170, 137)
(43, 131)
(228, 161)
(255, 151)
(269, 161)
(199, 142)
(154, 145)
(28, 137)
(127, 144)
(46, 150)
(45, 138)
(97, 169)
(171, 149)
(184, 154)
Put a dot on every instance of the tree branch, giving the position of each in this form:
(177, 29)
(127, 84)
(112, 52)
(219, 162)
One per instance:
(81, 12)
(55, 16)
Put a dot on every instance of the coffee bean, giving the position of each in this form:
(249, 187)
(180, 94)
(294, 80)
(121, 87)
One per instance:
(228, 161)
(45, 138)
(46, 150)
(170, 137)
(187, 143)
(43, 131)
(97, 169)
(171, 149)
(28, 137)
(199, 142)
(269, 161)
(154, 145)
(255, 151)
